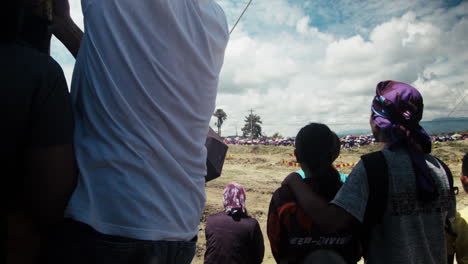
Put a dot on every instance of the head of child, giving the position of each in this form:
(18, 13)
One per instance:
(316, 149)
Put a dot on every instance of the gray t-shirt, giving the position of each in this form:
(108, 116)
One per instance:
(410, 232)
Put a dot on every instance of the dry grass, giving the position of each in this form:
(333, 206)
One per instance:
(260, 170)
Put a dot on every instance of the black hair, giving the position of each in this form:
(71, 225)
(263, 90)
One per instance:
(317, 147)
(237, 215)
(465, 165)
(11, 15)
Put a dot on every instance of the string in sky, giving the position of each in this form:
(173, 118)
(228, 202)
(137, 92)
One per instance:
(245, 9)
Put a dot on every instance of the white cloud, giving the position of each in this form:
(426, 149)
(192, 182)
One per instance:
(302, 61)
(306, 75)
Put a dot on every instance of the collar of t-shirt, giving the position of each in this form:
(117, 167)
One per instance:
(303, 176)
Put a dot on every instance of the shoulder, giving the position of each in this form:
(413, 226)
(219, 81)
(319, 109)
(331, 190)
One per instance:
(282, 201)
(374, 153)
(434, 161)
(438, 167)
(216, 219)
(53, 68)
(40, 63)
(217, 15)
(251, 220)
(35, 74)
(283, 194)
(380, 156)
(217, 215)
(441, 171)
(218, 10)
(53, 65)
(358, 171)
(24, 51)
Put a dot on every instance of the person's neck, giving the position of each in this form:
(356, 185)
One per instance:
(308, 172)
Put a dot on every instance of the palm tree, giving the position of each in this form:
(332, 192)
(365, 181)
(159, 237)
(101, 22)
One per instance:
(221, 116)
(252, 126)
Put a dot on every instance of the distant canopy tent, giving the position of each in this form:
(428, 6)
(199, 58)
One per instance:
(216, 154)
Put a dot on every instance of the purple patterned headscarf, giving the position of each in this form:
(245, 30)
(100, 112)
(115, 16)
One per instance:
(234, 199)
(397, 109)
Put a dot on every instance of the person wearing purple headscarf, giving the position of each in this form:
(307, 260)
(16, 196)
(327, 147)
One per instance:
(232, 236)
(397, 109)
(419, 200)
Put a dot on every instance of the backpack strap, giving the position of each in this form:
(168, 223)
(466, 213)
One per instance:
(377, 178)
(454, 190)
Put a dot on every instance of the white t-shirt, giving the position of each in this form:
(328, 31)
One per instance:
(144, 89)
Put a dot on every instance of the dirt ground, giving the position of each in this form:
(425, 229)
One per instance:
(260, 170)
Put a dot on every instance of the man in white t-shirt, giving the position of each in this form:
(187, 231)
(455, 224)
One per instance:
(143, 89)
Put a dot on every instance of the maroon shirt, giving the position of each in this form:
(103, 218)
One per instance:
(293, 234)
(233, 241)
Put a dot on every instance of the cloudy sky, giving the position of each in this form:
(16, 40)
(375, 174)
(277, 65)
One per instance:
(301, 61)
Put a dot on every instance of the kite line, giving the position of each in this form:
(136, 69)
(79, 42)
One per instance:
(245, 9)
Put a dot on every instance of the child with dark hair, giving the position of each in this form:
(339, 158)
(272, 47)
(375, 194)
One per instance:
(292, 233)
(457, 233)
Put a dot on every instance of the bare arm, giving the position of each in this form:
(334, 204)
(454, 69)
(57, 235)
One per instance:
(64, 28)
(328, 217)
(464, 181)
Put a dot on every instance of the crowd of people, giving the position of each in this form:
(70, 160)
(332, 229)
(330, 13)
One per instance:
(247, 141)
(348, 141)
(114, 172)
(449, 137)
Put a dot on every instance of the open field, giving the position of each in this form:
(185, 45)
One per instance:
(260, 170)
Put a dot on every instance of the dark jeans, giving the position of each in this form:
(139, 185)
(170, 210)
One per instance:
(81, 244)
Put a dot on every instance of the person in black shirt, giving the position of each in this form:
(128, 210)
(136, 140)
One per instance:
(37, 159)
(292, 233)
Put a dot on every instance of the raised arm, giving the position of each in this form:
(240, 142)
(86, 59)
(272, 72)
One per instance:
(64, 28)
